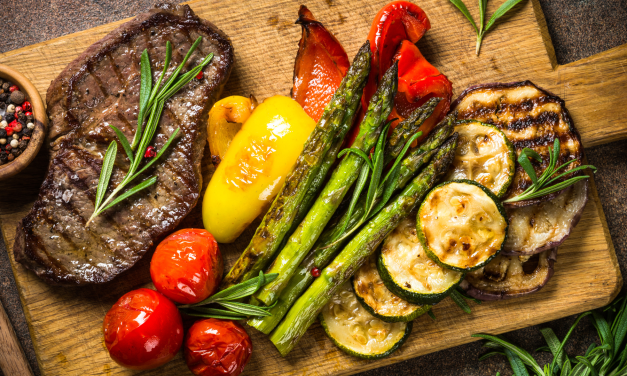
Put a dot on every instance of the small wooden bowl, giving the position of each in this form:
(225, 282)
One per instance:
(40, 120)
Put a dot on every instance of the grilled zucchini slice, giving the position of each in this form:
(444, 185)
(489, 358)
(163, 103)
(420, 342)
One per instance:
(408, 272)
(378, 300)
(461, 225)
(355, 331)
(485, 155)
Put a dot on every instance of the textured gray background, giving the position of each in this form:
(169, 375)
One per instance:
(578, 28)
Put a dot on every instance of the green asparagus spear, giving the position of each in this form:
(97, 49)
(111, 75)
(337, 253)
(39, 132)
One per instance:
(278, 220)
(322, 253)
(309, 305)
(343, 177)
(329, 160)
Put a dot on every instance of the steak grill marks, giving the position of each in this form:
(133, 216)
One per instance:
(102, 87)
(530, 117)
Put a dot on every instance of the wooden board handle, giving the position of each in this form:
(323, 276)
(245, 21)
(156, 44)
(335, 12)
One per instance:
(12, 359)
(594, 88)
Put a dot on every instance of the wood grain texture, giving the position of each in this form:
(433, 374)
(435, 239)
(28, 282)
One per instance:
(65, 324)
(12, 358)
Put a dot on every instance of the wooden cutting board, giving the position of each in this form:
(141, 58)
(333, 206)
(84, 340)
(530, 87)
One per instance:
(65, 323)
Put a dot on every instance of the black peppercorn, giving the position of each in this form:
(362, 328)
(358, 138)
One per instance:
(27, 131)
(3, 133)
(23, 144)
(6, 86)
(1, 82)
(9, 117)
(3, 156)
(4, 97)
(16, 152)
(22, 118)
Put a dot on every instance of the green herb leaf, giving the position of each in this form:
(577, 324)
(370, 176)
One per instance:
(432, 315)
(166, 65)
(490, 354)
(217, 311)
(359, 153)
(460, 301)
(507, 5)
(124, 142)
(359, 187)
(105, 173)
(462, 8)
(553, 345)
(524, 161)
(211, 316)
(143, 185)
(482, 9)
(515, 362)
(245, 309)
(236, 292)
(158, 155)
(522, 354)
(589, 365)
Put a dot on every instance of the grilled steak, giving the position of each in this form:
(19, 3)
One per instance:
(530, 117)
(102, 87)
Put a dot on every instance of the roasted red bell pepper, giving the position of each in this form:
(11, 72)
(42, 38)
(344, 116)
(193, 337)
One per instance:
(321, 63)
(419, 81)
(394, 32)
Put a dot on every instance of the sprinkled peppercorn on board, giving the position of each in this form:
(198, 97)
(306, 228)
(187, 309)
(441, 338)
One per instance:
(65, 323)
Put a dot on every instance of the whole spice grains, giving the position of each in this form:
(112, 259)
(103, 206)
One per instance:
(16, 121)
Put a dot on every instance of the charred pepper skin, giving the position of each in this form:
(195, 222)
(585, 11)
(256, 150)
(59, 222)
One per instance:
(322, 253)
(309, 305)
(278, 220)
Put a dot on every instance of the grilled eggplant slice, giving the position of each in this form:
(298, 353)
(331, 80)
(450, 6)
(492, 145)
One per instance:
(461, 225)
(510, 276)
(530, 117)
(408, 272)
(356, 332)
(534, 229)
(378, 300)
(484, 155)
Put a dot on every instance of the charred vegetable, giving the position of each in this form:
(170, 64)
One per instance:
(484, 155)
(284, 209)
(357, 332)
(510, 276)
(530, 117)
(378, 300)
(308, 306)
(407, 270)
(461, 225)
(536, 228)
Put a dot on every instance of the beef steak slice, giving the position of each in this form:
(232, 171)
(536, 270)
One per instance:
(101, 87)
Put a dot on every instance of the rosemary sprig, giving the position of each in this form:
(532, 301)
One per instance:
(609, 359)
(547, 183)
(151, 103)
(459, 296)
(481, 30)
(232, 308)
(379, 191)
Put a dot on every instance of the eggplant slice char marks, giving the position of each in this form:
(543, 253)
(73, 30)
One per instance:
(530, 117)
(534, 229)
(510, 276)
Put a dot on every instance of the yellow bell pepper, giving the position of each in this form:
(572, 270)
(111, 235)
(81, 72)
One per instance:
(225, 120)
(254, 167)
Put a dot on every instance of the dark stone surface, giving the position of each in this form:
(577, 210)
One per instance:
(579, 28)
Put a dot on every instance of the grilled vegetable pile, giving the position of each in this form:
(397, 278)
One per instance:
(378, 222)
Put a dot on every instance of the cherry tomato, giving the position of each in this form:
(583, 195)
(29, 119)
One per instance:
(143, 330)
(187, 266)
(217, 347)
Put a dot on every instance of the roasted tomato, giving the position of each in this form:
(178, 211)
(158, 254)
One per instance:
(217, 347)
(320, 65)
(143, 330)
(187, 266)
